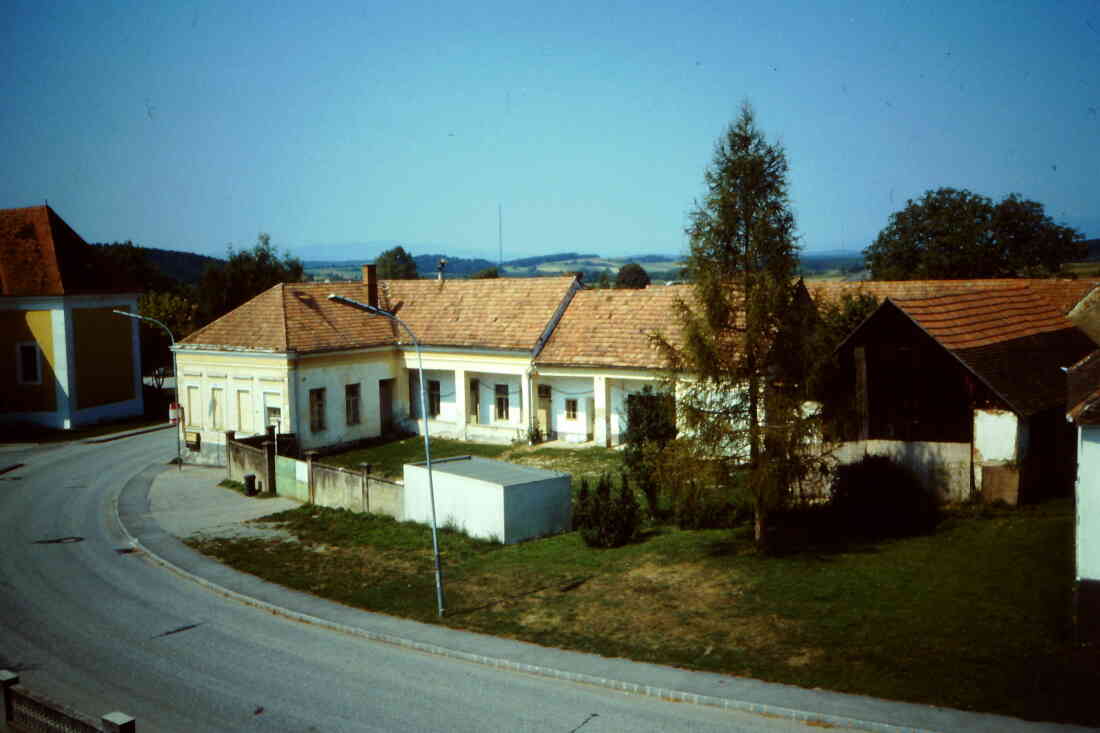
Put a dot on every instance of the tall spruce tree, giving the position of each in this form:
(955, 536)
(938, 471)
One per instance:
(739, 362)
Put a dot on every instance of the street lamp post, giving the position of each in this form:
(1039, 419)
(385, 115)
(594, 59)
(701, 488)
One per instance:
(376, 311)
(175, 374)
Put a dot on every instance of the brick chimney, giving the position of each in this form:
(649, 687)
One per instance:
(370, 279)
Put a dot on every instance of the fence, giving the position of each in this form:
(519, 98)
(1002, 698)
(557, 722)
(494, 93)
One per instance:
(30, 711)
(311, 481)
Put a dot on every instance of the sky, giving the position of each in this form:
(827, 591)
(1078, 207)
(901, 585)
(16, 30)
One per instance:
(341, 128)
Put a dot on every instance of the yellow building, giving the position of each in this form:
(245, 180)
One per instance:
(65, 359)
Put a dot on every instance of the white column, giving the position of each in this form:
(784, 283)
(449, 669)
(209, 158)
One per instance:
(462, 389)
(526, 411)
(602, 433)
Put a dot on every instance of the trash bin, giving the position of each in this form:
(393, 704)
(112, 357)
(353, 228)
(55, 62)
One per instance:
(250, 484)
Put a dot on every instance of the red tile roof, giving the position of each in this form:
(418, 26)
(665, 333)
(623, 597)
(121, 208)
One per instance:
(979, 318)
(296, 317)
(1011, 338)
(1063, 293)
(41, 255)
(500, 313)
(612, 328)
(504, 313)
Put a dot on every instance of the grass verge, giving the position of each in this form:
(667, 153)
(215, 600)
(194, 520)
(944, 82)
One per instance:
(388, 459)
(975, 616)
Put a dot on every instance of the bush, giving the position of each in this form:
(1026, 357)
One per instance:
(604, 519)
(702, 506)
(879, 497)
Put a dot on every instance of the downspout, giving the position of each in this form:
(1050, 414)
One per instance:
(292, 395)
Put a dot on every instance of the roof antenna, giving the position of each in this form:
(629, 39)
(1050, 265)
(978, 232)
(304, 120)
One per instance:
(500, 239)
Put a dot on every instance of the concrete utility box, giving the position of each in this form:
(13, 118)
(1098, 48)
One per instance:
(490, 499)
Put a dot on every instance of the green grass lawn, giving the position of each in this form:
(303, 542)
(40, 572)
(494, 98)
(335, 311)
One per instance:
(387, 459)
(975, 616)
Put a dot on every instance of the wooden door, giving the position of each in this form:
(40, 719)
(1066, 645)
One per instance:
(385, 404)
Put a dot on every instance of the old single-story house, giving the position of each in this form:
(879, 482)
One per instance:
(600, 353)
(1084, 412)
(331, 374)
(968, 387)
(65, 359)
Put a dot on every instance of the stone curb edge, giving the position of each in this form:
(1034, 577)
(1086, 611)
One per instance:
(506, 664)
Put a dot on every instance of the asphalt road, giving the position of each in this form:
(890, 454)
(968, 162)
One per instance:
(103, 630)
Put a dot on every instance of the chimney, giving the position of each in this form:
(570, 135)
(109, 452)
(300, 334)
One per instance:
(370, 279)
(439, 268)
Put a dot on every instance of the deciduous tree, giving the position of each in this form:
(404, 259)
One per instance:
(951, 233)
(632, 275)
(396, 264)
(245, 274)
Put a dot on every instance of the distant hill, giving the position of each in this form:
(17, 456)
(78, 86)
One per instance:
(659, 267)
(187, 267)
(1093, 248)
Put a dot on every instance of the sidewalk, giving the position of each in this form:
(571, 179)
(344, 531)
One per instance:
(160, 505)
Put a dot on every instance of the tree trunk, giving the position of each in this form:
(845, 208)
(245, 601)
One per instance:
(759, 529)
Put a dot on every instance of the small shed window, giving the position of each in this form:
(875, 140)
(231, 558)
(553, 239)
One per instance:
(501, 392)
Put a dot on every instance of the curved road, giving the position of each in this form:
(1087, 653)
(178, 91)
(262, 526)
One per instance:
(103, 630)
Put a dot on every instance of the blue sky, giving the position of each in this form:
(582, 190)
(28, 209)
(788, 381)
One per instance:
(331, 126)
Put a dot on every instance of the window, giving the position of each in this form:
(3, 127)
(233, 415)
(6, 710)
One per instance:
(433, 397)
(29, 362)
(274, 416)
(544, 391)
(192, 407)
(351, 403)
(570, 409)
(501, 392)
(217, 408)
(317, 410)
(244, 411)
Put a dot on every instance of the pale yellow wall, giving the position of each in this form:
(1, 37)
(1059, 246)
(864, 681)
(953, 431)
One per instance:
(103, 357)
(216, 386)
(18, 326)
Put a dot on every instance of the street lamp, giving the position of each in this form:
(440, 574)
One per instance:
(175, 374)
(376, 311)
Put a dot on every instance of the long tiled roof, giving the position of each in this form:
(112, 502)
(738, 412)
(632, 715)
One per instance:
(1013, 339)
(1063, 293)
(505, 313)
(970, 319)
(502, 313)
(41, 255)
(296, 317)
(612, 328)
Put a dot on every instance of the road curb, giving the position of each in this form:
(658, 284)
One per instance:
(634, 688)
(120, 436)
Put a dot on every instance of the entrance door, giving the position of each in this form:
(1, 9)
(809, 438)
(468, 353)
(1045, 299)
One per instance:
(542, 413)
(385, 404)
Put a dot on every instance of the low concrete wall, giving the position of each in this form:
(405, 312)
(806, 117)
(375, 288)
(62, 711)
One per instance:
(246, 459)
(386, 498)
(338, 488)
(292, 478)
(942, 468)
